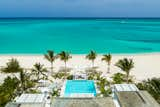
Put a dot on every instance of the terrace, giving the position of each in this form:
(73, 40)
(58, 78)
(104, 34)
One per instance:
(123, 95)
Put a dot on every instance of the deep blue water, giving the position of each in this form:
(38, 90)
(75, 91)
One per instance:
(79, 36)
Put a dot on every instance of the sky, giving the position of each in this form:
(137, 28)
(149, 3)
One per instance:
(79, 8)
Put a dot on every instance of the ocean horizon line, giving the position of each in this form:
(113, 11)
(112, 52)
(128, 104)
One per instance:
(79, 17)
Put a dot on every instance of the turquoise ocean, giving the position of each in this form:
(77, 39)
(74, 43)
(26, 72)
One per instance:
(79, 36)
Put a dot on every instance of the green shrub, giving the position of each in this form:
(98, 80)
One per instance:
(118, 78)
(102, 83)
(152, 86)
(61, 75)
(56, 92)
(94, 76)
(70, 77)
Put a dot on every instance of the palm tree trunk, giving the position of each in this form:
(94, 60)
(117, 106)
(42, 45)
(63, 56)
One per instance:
(38, 76)
(65, 64)
(23, 86)
(21, 78)
(92, 63)
(108, 68)
(52, 67)
(127, 77)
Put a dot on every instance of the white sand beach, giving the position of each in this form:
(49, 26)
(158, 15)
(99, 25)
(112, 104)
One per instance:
(146, 65)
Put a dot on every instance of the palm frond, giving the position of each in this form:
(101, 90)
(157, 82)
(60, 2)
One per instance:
(91, 56)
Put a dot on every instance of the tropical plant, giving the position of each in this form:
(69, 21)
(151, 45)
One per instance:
(60, 75)
(94, 76)
(22, 80)
(50, 56)
(107, 58)
(12, 67)
(8, 90)
(125, 65)
(91, 56)
(152, 86)
(70, 77)
(25, 81)
(56, 92)
(39, 70)
(107, 92)
(118, 78)
(65, 56)
(103, 84)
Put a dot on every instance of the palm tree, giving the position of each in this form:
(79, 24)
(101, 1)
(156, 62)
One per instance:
(39, 70)
(25, 81)
(22, 80)
(65, 56)
(126, 65)
(8, 90)
(50, 57)
(12, 67)
(107, 58)
(91, 56)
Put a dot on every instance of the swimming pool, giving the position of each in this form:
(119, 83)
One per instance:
(79, 87)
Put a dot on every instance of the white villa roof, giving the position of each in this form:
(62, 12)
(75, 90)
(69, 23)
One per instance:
(125, 87)
(31, 98)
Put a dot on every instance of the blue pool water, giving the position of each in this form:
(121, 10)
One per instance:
(79, 36)
(79, 86)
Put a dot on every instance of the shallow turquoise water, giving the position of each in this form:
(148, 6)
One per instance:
(78, 36)
(79, 86)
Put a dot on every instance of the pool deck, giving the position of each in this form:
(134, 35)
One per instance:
(83, 102)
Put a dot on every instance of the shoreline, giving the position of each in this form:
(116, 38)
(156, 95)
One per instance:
(99, 54)
(146, 65)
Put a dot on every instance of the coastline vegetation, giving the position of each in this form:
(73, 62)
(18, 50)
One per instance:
(92, 56)
(23, 81)
(51, 57)
(152, 86)
(16, 84)
(125, 65)
(107, 58)
(12, 67)
(8, 90)
(39, 71)
(64, 56)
